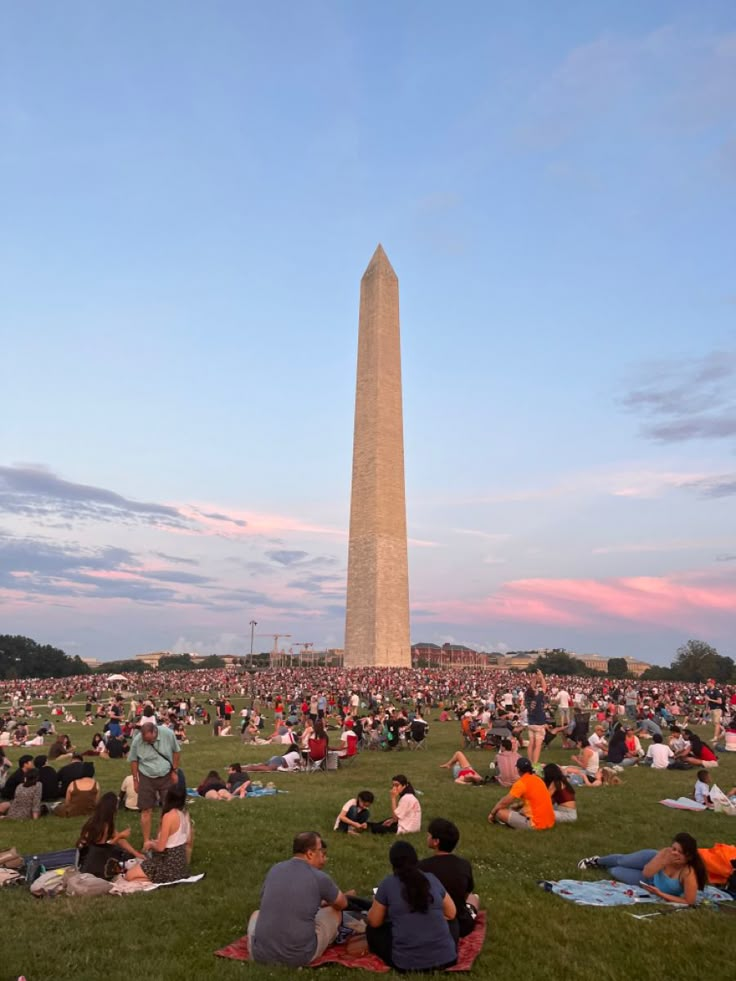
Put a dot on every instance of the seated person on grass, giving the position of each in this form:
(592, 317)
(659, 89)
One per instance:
(353, 818)
(462, 771)
(408, 922)
(455, 874)
(528, 804)
(99, 841)
(172, 850)
(301, 908)
(659, 755)
(506, 763)
(701, 792)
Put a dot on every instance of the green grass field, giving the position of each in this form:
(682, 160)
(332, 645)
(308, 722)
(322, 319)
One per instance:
(173, 933)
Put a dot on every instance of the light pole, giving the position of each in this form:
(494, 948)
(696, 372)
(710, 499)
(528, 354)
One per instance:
(253, 625)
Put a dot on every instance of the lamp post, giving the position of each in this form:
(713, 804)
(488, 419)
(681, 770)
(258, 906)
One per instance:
(253, 625)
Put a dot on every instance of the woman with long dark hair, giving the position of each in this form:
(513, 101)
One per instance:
(408, 922)
(617, 746)
(172, 850)
(562, 793)
(674, 873)
(406, 811)
(701, 754)
(99, 841)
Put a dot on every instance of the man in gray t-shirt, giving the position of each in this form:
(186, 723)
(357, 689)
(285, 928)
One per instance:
(292, 927)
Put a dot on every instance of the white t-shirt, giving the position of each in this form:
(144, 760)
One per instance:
(290, 760)
(702, 792)
(345, 807)
(563, 699)
(660, 754)
(597, 742)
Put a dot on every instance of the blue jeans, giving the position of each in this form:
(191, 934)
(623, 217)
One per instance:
(628, 868)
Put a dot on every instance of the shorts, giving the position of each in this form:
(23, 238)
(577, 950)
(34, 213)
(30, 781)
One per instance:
(152, 790)
(716, 715)
(517, 820)
(537, 729)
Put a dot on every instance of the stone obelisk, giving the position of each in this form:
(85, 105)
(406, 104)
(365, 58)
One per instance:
(377, 614)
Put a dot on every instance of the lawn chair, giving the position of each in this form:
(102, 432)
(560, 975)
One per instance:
(316, 758)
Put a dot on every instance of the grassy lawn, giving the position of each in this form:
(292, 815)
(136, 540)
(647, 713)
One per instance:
(172, 933)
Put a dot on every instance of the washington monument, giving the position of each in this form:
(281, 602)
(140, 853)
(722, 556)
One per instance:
(377, 615)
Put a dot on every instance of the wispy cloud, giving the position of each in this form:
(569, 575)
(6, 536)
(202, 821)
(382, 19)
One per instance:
(36, 493)
(693, 398)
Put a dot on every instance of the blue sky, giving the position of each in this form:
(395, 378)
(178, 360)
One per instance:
(190, 195)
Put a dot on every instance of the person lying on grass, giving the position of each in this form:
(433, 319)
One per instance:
(172, 850)
(288, 763)
(462, 771)
(213, 787)
(674, 873)
(353, 818)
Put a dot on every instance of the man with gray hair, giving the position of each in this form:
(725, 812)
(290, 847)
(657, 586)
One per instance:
(154, 761)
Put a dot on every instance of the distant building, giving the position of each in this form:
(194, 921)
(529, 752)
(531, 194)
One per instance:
(450, 655)
(92, 662)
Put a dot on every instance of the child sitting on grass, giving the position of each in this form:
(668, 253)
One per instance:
(702, 788)
(353, 818)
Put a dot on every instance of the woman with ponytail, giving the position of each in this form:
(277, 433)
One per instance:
(408, 923)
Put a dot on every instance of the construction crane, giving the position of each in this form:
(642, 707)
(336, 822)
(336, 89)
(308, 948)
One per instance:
(275, 649)
(307, 649)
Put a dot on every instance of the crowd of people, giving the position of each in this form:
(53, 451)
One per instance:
(422, 908)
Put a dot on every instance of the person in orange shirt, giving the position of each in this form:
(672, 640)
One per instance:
(527, 804)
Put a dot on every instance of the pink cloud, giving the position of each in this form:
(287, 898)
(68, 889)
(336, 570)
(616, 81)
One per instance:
(666, 601)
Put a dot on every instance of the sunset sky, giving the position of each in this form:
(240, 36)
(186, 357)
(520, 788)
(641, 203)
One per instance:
(189, 196)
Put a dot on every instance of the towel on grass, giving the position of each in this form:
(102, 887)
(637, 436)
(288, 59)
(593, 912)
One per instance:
(467, 951)
(122, 887)
(683, 804)
(610, 892)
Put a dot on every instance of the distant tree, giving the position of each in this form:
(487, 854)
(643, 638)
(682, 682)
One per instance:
(617, 667)
(176, 662)
(558, 662)
(212, 662)
(656, 673)
(698, 661)
(21, 657)
(123, 667)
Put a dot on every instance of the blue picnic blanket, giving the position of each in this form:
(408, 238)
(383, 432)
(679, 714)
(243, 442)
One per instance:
(609, 892)
(253, 792)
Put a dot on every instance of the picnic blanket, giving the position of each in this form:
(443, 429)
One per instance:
(252, 792)
(610, 892)
(683, 804)
(467, 951)
(122, 887)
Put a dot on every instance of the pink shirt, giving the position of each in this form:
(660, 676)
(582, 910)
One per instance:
(409, 813)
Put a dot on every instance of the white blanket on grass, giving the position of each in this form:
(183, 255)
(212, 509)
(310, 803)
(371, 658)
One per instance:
(123, 887)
